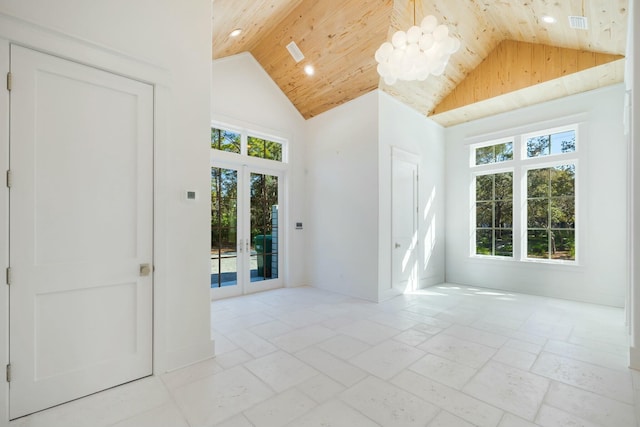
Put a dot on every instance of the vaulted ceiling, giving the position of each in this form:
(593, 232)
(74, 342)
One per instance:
(509, 57)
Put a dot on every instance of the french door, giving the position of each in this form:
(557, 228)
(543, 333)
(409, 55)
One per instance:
(246, 230)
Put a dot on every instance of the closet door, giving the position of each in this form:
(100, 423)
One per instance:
(81, 230)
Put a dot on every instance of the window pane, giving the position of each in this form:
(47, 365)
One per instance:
(504, 152)
(563, 180)
(504, 242)
(563, 142)
(484, 214)
(484, 187)
(537, 183)
(255, 147)
(265, 149)
(264, 226)
(563, 245)
(537, 244)
(503, 214)
(494, 214)
(557, 143)
(225, 140)
(563, 213)
(484, 155)
(538, 146)
(494, 153)
(503, 186)
(483, 242)
(538, 213)
(273, 151)
(224, 215)
(554, 214)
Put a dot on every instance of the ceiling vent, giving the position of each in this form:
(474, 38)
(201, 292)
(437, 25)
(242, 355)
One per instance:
(295, 52)
(578, 22)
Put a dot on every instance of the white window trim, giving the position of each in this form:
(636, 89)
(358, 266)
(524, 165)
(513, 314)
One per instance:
(519, 166)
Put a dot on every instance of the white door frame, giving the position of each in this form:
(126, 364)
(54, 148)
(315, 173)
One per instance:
(17, 31)
(4, 229)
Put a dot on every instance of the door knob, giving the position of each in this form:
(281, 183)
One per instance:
(145, 269)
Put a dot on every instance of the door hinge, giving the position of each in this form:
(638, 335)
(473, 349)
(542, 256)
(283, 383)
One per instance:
(9, 181)
(9, 372)
(8, 275)
(9, 81)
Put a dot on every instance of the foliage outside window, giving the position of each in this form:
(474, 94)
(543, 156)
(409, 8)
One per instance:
(555, 143)
(494, 153)
(225, 140)
(263, 148)
(224, 217)
(264, 224)
(494, 214)
(551, 219)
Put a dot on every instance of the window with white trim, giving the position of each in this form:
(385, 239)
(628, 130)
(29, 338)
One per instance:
(524, 196)
(248, 143)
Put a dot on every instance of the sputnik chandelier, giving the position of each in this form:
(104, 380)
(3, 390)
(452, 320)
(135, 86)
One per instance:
(416, 53)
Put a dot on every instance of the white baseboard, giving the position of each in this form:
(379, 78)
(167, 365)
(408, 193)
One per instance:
(190, 355)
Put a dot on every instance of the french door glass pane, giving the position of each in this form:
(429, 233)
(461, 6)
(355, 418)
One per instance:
(264, 227)
(224, 219)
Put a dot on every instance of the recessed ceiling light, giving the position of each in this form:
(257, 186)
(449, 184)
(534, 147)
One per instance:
(549, 19)
(236, 32)
(309, 70)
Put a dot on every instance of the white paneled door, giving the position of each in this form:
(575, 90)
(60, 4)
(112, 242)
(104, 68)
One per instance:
(81, 229)
(404, 218)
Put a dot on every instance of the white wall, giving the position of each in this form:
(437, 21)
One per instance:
(601, 275)
(342, 168)
(405, 128)
(244, 95)
(631, 80)
(167, 43)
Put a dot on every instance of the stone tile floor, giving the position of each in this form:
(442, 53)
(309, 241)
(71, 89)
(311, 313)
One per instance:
(445, 356)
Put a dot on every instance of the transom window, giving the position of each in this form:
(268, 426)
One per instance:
(248, 144)
(524, 200)
(550, 144)
(495, 153)
(225, 140)
(265, 149)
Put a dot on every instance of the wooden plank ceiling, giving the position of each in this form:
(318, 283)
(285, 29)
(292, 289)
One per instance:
(509, 58)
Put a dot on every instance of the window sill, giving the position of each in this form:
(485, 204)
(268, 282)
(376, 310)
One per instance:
(525, 261)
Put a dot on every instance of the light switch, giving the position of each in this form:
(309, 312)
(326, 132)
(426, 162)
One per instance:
(191, 195)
